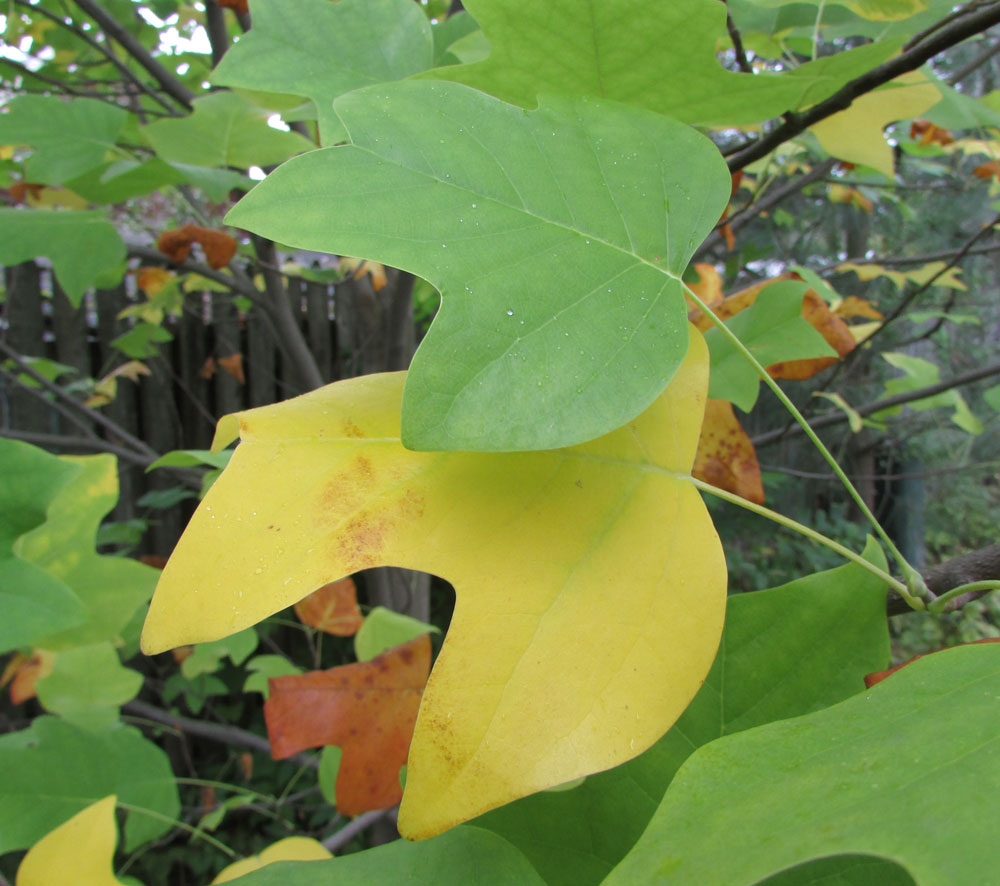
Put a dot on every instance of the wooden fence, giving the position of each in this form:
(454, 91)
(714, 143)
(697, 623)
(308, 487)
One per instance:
(347, 327)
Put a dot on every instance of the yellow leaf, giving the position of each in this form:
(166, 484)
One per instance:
(590, 582)
(918, 276)
(79, 851)
(289, 849)
(884, 10)
(855, 135)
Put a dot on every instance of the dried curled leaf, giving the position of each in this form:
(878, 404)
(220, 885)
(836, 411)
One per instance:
(219, 247)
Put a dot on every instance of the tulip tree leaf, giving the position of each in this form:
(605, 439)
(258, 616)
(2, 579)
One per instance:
(88, 682)
(321, 487)
(111, 588)
(646, 53)
(320, 50)
(33, 601)
(80, 851)
(69, 138)
(81, 245)
(778, 658)
(225, 129)
(903, 771)
(557, 238)
(53, 769)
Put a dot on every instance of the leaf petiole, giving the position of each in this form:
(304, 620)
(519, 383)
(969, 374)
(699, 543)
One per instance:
(941, 603)
(914, 591)
(818, 537)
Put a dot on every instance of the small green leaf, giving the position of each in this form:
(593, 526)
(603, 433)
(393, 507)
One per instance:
(321, 50)
(922, 373)
(224, 129)
(329, 766)
(188, 458)
(774, 330)
(69, 137)
(383, 629)
(262, 668)
(81, 245)
(88, 679)
(992, 397)
(207, 657)
(140, 342)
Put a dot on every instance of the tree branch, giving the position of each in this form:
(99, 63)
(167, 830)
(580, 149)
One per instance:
(123, 69)
(339, 839)
(230, 735)
(969, 67)
(981, 565)
(836, 418)
(238, 283)
(944, 38)
(168, 82)
(923, 258)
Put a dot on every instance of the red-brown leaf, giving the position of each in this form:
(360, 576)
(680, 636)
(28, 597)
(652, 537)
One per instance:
(368, 709)
(233, 364)
(219, 247)
(333, 609)
(726, 457)
(879, 676)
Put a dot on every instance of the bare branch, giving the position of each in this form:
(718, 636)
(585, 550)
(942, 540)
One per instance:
(981, 565)
(168, 82)
(944, 38)
(339, 839)
(836, 418)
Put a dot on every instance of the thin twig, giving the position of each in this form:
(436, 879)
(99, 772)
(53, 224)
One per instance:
(734, 35)
(222, 733)
(977, 62)
(114, 29)
(835, 418)
(921, 258)
(92, 414)
(352, 829)
(946, 37)
(77, 444)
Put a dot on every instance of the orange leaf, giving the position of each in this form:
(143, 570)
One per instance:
(24, 672)
(928, 133)
(879, 676)
(368, 709)
(852, 306)
(238, 6)
(333, 608)
(180, 653)
(361, 267)
(207, 368)
(709, 285)
(246, 765)
(990, 169)
(219, 247)
(726, 457)
(844, 194)
(20, 191)
(152, 280)
(233, 364)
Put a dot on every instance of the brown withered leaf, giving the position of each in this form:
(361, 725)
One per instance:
(219, 247)
(726, 457)
(368, 709)
(207, 368)
(991, 169)
(238, 6)
(928, 133)
(233, 364)
(24, 671)
(332, 609)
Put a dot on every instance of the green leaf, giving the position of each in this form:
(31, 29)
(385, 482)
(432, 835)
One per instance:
(188, 458)
(69, 137)
(54, 769)
(139, 343)
(992, 397)
(263, 667)
(224, 129)
(903, 771)
(86, 680)
(557, 238)
(774, 330)
(329, 766)
(922, 373)
(463, 855)
(81, 245)
(124, 179)
(646, 53)
(450, 31)
(196, 692)
(216, 183)
(383, 629)
(33, 602)
(321, 50)
(843, 870)
(207, 657)
(779, 657)
(111, 588)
